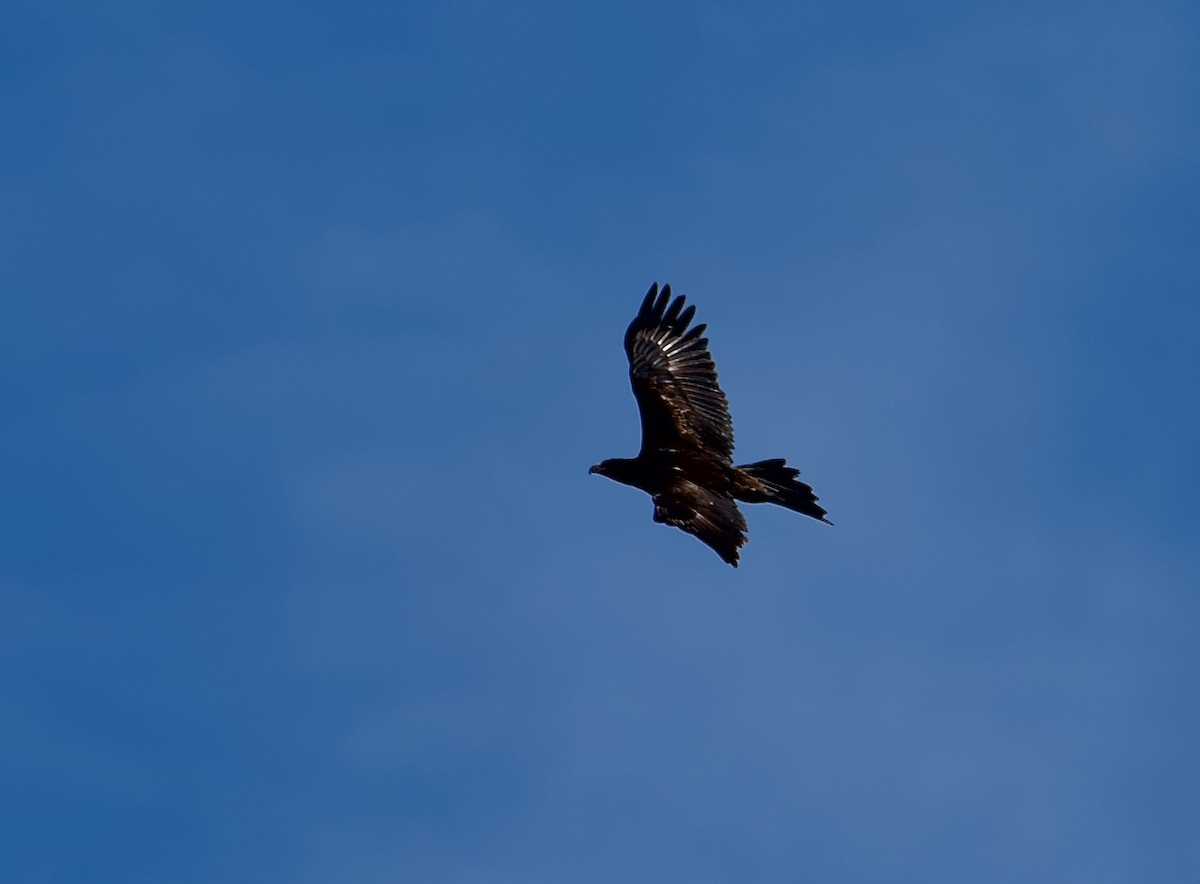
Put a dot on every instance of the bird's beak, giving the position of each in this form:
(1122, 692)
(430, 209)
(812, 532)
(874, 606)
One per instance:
(594, 469)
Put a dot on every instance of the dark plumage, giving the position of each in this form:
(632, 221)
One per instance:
(686, 461)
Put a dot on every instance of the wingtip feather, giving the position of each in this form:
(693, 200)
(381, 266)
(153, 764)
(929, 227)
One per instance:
(671, 317)
(660, 303)
(648, 301)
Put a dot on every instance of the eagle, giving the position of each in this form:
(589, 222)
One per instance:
(686, 460)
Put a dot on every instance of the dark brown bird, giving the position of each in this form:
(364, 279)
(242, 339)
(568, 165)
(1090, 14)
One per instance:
(686, 461)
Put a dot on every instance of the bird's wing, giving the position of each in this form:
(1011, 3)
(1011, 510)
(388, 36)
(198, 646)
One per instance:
(674, 379)
(714, 518)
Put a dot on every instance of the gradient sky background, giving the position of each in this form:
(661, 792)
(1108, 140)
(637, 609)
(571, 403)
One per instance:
(312, 327)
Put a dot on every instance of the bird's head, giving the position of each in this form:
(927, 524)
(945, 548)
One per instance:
(619, 469)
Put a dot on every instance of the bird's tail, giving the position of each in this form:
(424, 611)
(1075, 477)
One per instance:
(773, 481)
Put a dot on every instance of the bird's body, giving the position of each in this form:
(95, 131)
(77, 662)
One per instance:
(686, 460)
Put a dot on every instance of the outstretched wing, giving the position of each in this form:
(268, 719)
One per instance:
(712, 517)
(675, 381)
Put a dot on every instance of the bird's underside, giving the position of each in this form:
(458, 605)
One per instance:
(712, 516)
(685, 463)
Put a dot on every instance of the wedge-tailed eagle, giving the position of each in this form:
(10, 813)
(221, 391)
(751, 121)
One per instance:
(686, 460)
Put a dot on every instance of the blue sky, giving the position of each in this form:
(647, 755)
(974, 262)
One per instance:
(313, 327)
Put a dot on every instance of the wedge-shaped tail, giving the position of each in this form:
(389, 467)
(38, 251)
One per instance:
(773, 481)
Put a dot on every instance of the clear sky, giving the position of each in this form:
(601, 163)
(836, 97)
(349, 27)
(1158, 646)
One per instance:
(312, 328)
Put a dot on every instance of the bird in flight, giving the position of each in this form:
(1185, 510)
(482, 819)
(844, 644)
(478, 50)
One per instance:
(686, 460)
